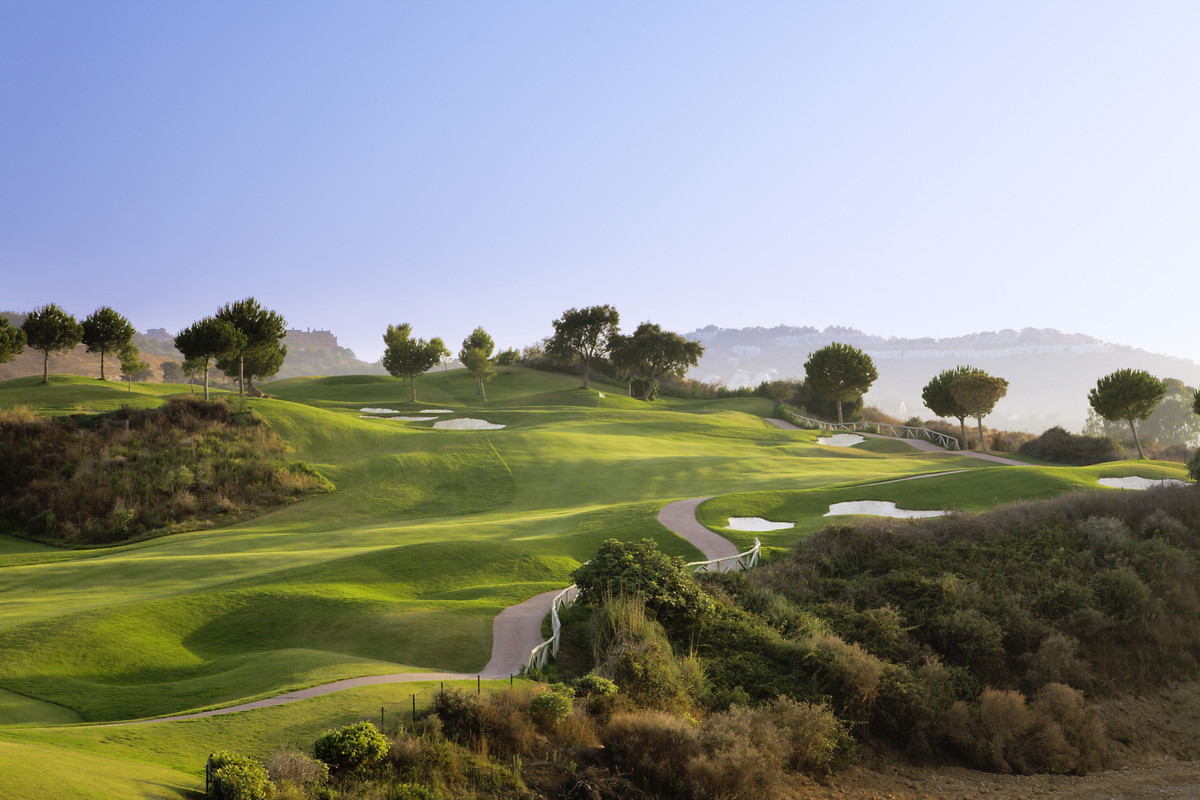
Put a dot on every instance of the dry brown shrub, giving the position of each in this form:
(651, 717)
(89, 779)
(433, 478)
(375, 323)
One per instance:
(813, 733)
(855, 672)
(1080, 724)
(654, 746)
(742, 756)
(290, 766)
(578, 730)
(1057, 661)
(1004, 719)
(505, 724)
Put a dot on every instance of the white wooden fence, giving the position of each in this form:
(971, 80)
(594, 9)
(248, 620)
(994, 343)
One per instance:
(541, 655)
(881, 428)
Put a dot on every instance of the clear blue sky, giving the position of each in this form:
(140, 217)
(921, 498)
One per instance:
(910, 169)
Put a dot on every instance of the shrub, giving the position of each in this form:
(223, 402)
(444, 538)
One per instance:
(1062, 447)
(1193, 466)
(353, 749)
(550, 707)
(1056, 733)
(653, 745)
(506, 358)
(599, 695)
(293, 767)
(741, 756)
(237, 777)
(815, 737)
(641, 569)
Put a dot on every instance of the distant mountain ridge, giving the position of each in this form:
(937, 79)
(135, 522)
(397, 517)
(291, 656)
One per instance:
(1049, 372)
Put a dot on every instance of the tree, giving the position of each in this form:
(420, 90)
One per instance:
(191, 368)
(105, 331)
(476, 356)
(406, 357)
(12, 340)
(584, 333)
(840, 372)
(133, 368)
(172, 372)
(1173, 421)
(652, 353)
(206, 341)
(978, 393)
(263, 352)
(1128, 394)
(508, 358)
(940, 400)
(50, 330)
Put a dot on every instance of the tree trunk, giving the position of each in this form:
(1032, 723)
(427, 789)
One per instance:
(979, 420)
(412, 385)
(46, 367)
(839, 405)
(483, 392)
(206, 380)
(585, 374)
(101, 365)
(241, 377)
(1136, 439)
(962, 429)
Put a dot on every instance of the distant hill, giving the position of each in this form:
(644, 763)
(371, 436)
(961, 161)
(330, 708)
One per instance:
(1049, 372)
(309, 353)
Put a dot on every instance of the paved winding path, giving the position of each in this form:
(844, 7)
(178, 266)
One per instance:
(518, 629)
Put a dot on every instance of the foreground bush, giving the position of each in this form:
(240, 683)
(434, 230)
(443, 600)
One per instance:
(237, 777)
(354, 749)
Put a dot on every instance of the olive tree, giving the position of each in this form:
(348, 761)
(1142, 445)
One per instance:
(840, 372)
(940, 400)
(584, 333)
(12, 341)
(1128, 394)
(406, 357)
(49, 329)
(977, 392)
(641, 569)
(105, 331)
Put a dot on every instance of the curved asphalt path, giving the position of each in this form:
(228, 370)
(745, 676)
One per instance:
(918, 444)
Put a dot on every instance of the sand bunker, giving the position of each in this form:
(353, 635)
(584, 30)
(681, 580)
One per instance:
(1139, 484)
(879, 508)
(842, 440)
(466, 424)
(756, 524)
(378, 410)
(436, 411)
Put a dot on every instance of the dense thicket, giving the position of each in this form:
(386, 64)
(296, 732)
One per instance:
(107, 478)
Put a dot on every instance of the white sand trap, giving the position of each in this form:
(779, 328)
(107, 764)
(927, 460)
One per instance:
(379, 410)
(413, 419)
(467, 424)
(757, 524)
(1139, 484)
(436, 411)
(879, 508)
(842, 440)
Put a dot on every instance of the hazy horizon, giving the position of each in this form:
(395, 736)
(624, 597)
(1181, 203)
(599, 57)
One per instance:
(934, 169)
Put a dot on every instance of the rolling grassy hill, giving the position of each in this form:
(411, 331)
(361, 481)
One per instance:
(428, 536)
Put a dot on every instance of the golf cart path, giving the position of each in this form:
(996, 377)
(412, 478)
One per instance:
(516, 630)
(918, 444)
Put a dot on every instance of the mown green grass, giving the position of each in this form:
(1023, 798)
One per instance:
(429, 535)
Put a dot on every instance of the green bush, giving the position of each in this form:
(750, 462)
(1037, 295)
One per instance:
(552, 706)
(640, 568)
(354, 749)
(1063, 447)
(237, 777)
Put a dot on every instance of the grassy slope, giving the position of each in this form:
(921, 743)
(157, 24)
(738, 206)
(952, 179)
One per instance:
(429, 535)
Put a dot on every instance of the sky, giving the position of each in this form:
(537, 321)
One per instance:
(909, 169)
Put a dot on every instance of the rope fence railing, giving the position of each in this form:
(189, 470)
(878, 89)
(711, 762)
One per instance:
(882, 428)
(541, 655)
